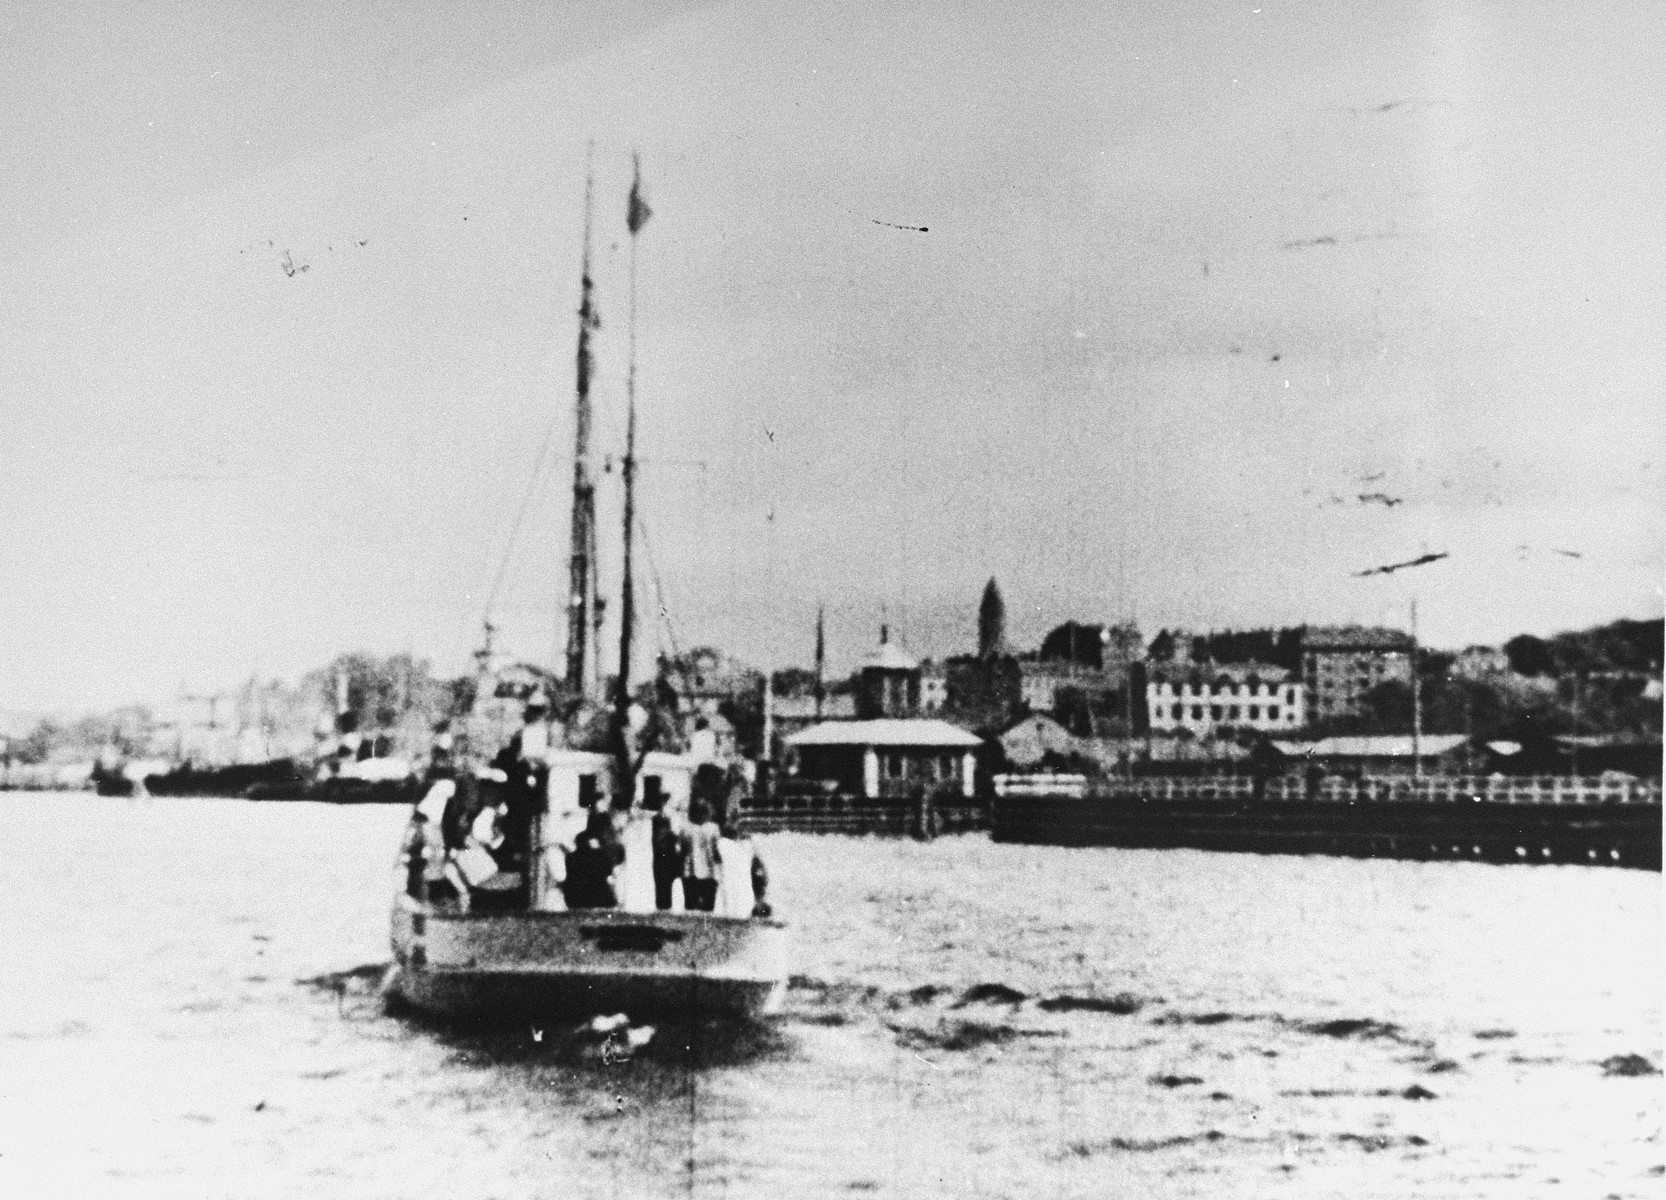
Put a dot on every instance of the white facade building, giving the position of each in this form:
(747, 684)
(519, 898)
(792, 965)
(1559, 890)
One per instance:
(1206, 696)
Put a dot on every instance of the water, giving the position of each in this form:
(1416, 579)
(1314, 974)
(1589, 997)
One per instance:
(1277, 1027)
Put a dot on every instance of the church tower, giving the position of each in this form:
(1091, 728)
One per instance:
(992, 622)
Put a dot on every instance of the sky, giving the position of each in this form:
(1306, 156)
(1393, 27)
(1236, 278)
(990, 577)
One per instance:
(1180, 313)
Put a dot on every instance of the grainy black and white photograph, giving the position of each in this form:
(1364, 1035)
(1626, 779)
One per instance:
(747, 599)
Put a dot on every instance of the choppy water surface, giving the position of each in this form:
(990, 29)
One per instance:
(967, 1020)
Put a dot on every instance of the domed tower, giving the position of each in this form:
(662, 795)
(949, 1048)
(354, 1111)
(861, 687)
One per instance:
(889, 684)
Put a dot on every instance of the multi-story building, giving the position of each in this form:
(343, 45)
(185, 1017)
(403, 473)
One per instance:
(1041, 681)
(1202, 697)
(1341, 664)
(1479, 662)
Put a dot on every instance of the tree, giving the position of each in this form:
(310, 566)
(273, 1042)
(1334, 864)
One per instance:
(793, 681)
(38, 743)
(1123, 643)
(1529, 655)
(382, 692)
(744, 711)
(1074, 642)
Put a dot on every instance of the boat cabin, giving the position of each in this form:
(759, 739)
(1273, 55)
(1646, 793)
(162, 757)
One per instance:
(578, 777)
(549, 831)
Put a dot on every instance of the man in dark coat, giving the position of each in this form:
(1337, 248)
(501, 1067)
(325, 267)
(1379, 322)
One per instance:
(591, 864)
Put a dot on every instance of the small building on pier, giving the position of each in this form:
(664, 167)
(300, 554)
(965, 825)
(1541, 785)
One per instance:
(886, 758)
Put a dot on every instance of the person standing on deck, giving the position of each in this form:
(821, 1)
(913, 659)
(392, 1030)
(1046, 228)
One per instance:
(590, 867)
(701, 860)
(667, 843)
(525, 764)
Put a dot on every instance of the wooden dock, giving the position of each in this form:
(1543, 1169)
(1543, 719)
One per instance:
(1595, 822)
(856, 815)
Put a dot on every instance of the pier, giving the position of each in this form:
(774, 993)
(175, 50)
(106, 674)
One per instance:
(1563, 819)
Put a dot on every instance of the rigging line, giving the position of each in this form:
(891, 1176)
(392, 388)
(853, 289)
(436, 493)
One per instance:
(520, 517)
(659, 588)
(664, 610)
(517, 565)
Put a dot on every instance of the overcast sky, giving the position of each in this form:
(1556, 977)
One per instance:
(1127, 305)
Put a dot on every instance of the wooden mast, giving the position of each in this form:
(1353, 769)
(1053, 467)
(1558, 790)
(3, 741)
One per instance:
(582, 608)
(636, 217)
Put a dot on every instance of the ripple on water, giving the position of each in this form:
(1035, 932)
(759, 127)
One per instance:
(946, 1033)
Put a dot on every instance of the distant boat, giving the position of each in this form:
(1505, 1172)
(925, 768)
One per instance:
(517, 948)
(189, 779)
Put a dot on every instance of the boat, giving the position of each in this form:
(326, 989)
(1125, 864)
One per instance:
(210, 758)
(543, 959)
(229, 780)
(528, 943)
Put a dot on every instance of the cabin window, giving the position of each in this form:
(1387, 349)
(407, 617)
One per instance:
(1197, 712)
(1272, 711)
(1232, 713)
(653, 793)
(587, 791)
(1177, 712)
(1214, 712)
(894, 765)
(1255, 712)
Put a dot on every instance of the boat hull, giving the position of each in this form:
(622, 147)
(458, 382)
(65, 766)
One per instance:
(533, 965)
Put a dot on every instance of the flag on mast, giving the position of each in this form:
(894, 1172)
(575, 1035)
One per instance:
(639, 211)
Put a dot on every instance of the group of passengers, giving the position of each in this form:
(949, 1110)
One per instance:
(470, 842)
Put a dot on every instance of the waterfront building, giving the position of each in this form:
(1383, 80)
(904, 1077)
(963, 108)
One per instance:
(1340, 664)
(886, 758)
(1201, 697)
